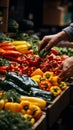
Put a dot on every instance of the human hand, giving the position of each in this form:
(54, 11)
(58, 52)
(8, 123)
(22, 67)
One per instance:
(49, 41)
(67, 68)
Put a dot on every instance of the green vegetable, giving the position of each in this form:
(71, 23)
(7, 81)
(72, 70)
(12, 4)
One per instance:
(22, 36)
(23, 81)
(64, 50)
(47, 96)
(43, 53)
(28, 81)
(13, 121)
(11, 96)
(7, 85)
(4, 37)
(4, 61)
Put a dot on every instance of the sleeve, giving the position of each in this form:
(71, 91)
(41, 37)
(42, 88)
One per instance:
(69, 31)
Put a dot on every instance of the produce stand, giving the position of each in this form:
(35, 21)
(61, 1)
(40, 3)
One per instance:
(50, 113)
(41, 123)
(54, 110)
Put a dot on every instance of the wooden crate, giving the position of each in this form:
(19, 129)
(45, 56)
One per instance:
(4, 4)
(54, 110)
(41, 123)
(71, 92)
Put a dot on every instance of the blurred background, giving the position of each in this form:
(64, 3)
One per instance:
(40, 16)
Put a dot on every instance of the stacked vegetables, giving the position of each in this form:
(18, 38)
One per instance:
(32, 75)
(12, 103)
(22, 46)
(48, 81)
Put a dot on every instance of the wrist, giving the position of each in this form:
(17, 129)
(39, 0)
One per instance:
(63, 36)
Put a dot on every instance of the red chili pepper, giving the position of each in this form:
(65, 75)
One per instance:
(12, 53)
(9, 47)
(10, 58)
(2, 51)
(55, 52)
(2, 44)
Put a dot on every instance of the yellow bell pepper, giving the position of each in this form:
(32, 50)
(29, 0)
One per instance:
(63, 85)
(48, 75)
(25, 107)
(55, 90)
(36, 78)
(29, 118)
(36, 111)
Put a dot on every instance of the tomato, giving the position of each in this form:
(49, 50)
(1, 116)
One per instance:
(54, 51)
(63, 57)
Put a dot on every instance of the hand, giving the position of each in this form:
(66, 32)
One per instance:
(67, 68)
(49, 41)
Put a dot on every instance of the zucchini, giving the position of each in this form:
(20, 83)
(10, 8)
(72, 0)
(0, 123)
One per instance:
(7, 85)
(47, 96)
(23, 81)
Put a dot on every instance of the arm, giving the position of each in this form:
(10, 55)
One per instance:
(49, 41)
(69, 31)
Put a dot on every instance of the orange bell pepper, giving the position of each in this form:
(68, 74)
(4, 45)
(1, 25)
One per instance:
(45, 85)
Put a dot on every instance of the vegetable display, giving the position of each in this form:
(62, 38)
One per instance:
(11, 120)
(28, 81)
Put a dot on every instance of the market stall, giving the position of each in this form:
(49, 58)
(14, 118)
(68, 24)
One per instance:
(34, 77)
(32, 95)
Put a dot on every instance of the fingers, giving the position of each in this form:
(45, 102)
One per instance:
(43, 43)
(65, 74)
(48, 46)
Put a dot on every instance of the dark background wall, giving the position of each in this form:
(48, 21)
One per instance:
(33, 10)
